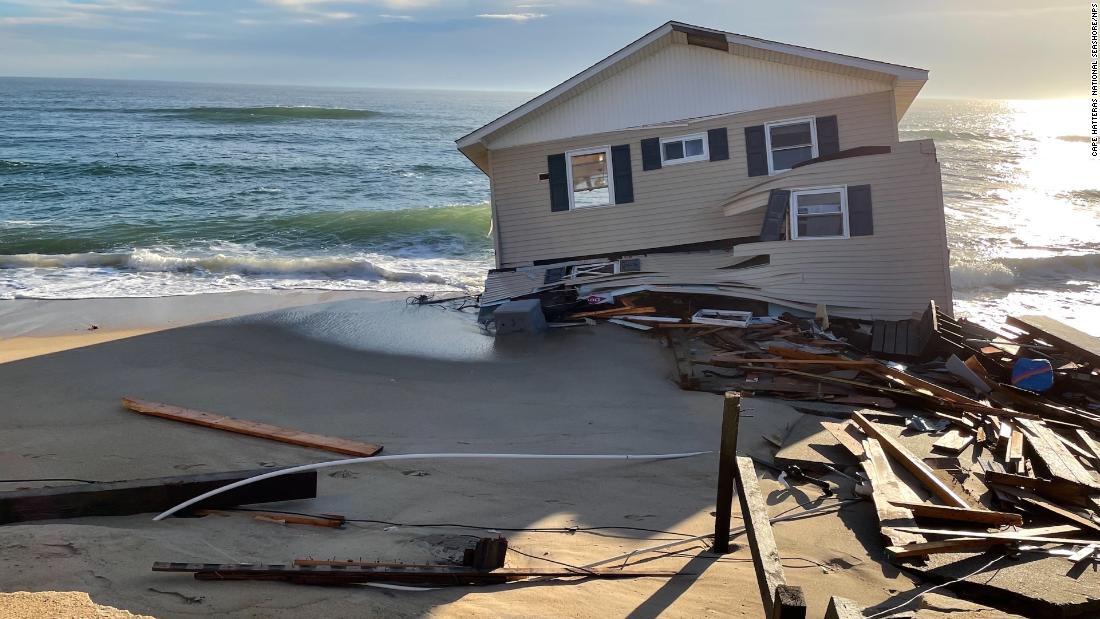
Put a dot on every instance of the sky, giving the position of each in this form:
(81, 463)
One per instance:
(1004, 49)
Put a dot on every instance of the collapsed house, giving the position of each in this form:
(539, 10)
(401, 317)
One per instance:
(700, 162)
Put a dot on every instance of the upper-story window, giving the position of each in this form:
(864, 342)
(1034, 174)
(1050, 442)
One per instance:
(790, 142)
(684, 149)
(590, 177)
(819, 213)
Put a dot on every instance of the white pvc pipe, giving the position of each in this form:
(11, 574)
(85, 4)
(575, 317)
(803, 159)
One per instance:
(321, 465)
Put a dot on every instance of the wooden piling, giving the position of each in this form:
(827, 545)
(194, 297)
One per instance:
(731, 417)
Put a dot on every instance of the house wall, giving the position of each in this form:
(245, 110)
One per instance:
(672, 81)
(675, 205)
(886, 275)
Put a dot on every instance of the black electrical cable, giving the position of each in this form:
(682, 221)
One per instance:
(477, 527)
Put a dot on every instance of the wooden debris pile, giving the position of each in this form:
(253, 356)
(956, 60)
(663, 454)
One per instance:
(961, 451)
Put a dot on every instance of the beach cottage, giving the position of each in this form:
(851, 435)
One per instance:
(700, 161)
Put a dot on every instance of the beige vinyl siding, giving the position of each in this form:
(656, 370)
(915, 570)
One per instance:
(674, 205)
(682, 81)
(889, 274)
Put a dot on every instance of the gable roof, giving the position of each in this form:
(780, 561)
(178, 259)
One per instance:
(907, 81)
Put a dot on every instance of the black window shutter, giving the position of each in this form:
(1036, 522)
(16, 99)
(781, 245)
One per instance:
(651, 154)
(624, 176)
(779, 202)
(860, 222)
(756, 150)
(828, 136)
(718, 144)
(559, 184)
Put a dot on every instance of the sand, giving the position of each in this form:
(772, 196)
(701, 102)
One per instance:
(415, 380)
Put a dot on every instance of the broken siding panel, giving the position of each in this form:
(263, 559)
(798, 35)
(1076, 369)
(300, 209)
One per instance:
(893, 272)
(673, 205)
(680, 81)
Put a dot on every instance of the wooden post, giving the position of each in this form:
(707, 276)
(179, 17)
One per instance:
(842, 608)
(789, 603)
(731, 417)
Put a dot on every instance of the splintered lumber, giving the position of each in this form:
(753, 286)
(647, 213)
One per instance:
(252, 428)
(953, 442)
(1091, 444)
(615, 311)
(731, 417)
(1011, 536)
(916, 467)
(942, 512)
(765, 554)
(139, 496)
(944, 547)
(346, 573)
(1055, 489)
(847, 435)
(1077, 344)
(1035, 500)
(1055, 457)
(887, 491)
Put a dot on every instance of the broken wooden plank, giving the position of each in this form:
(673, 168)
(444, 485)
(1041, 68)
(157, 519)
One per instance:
(1058, 460)
(1090, 443)
(1003, 535)
(615, 311)
(1075, 343)
(953, 442)
(887, 490)
(758, 528)
(139, 496)
(1084, 553)
(917, 468)
(252, 428)
(1035, 500)
(944, 547)
(847, 435)
(943, 512)
(1055, 489)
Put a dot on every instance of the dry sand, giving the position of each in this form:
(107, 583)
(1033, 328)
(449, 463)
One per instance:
(415, 380)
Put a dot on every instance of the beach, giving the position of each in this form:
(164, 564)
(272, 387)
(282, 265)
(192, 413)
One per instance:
(415, 380)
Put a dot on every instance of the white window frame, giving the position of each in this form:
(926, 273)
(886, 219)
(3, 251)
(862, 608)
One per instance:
(682, 138)
(790, 121)
(842, 189)
(606, 150)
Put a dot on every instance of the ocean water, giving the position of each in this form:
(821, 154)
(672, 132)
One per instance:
(113, 188)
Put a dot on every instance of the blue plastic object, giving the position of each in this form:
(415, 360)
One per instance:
(1033, 374)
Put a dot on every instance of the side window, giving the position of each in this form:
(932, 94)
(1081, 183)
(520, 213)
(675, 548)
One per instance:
(684, 149)
(590, 177)
(819, 213)
(790, 142)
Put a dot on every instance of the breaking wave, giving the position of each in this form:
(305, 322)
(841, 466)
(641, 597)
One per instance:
(164, 261)
(1008, 273)
(463, 225)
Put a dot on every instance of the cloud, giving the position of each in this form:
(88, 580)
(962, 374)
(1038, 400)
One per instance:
(516, 17)
(397, 17)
